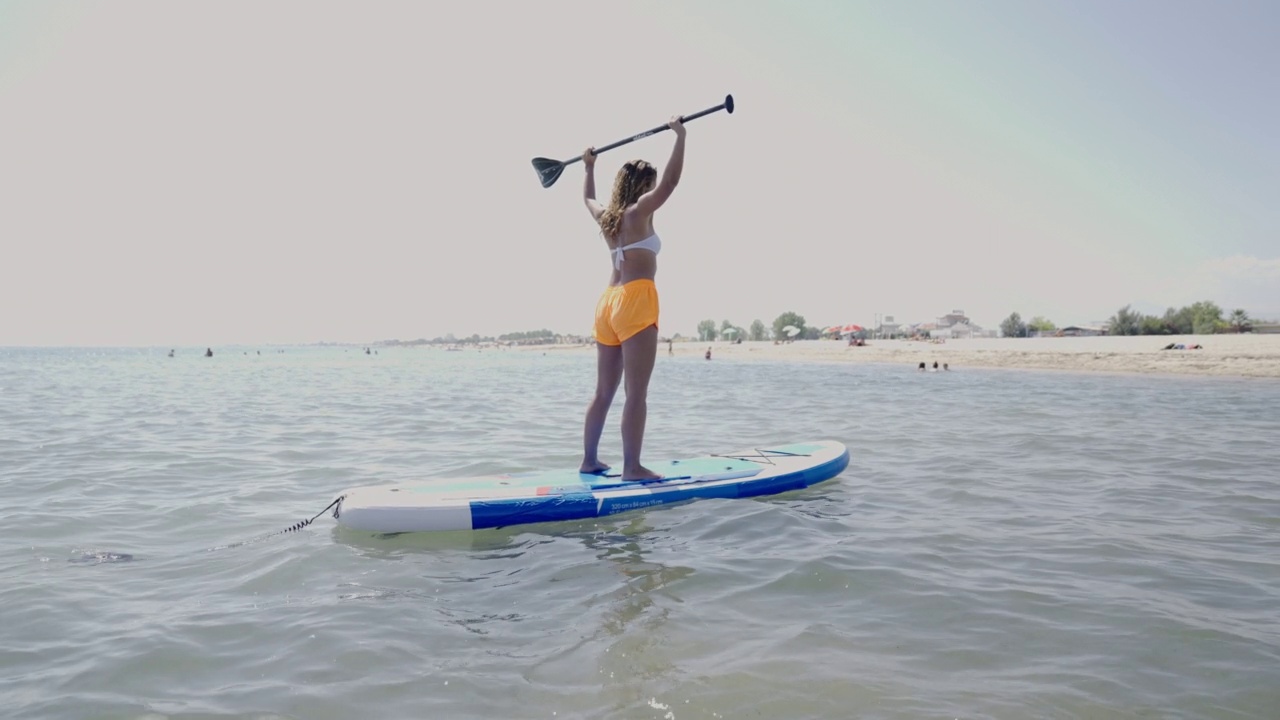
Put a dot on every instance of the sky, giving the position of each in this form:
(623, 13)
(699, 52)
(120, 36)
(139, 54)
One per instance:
(299, 171)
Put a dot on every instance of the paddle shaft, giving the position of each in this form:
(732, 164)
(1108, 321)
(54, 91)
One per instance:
(728, 103)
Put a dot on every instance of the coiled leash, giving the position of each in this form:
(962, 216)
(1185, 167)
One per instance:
(292, 528)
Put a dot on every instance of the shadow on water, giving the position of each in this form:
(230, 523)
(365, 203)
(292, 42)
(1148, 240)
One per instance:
(620, 540)
(573, 601)
(624, 543)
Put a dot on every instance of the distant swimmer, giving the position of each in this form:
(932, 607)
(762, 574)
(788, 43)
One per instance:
(708, 353)
(945, 367)
(170, 353)
(935, 365)
(922, 367)
(208, 352)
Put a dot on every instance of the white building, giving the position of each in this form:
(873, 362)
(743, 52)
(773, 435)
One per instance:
(958, 331)
(955, 317)
(889, 328)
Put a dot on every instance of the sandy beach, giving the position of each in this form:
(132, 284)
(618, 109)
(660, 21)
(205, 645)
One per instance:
(1224, 355)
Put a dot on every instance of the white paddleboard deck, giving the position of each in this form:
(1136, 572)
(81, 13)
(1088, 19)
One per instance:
(546, 496)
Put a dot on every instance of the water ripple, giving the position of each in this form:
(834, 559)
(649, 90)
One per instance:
(1004, 544)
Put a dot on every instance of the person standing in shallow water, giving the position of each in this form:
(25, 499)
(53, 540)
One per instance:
(626, 319)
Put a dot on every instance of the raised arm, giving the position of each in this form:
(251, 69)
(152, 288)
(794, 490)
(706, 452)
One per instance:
(652, 200)
(589, 184)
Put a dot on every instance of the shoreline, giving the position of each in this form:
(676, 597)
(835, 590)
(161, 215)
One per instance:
(1246, 355)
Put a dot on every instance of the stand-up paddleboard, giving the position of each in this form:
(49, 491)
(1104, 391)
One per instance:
(531, 497)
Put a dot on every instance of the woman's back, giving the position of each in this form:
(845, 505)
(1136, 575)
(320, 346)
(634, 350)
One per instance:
(634, 250)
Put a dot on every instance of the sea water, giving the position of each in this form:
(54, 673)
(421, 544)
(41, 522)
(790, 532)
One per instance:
(1004, 544)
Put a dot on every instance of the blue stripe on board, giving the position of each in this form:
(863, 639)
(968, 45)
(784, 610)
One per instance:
(576, 506)
(550, 508)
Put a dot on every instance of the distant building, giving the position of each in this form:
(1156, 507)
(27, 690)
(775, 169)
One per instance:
(888, 328)
(958, 331)
(955, 317)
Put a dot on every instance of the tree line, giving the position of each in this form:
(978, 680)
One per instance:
(1200, 318)
(528, 336)
(708, 331)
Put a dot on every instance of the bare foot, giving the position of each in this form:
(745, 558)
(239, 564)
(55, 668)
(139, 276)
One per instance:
(595, 468)
(639, 473)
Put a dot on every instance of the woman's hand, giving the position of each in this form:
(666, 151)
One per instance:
(676, 124)
(589, 157)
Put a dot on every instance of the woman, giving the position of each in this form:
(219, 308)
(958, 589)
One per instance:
(626, 324)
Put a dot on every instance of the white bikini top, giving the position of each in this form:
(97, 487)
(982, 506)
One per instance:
(653, 244)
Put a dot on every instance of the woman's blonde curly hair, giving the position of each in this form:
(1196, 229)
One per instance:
(633, 180)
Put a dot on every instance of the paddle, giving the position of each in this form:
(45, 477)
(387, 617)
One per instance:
(549, 170)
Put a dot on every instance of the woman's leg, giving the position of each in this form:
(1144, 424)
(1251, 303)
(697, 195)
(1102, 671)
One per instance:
(638, 355)
(608, 375)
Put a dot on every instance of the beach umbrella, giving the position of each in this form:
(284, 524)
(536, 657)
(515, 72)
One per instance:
(791, 330)
(729, 331)
(851, 328)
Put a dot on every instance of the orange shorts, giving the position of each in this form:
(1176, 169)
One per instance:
(625, 310)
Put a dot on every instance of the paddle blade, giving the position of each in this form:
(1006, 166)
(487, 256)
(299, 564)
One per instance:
(548, 170)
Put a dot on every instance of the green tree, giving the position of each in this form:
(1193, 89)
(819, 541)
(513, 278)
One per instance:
(1040, 324)
(1152, 325)
(1125, 322)
(785, 319)
(1013, 326)
(1206, 318)
(1178, 322)
(1200, 318)
(1240, 321)
(528, 335)
(757, 330)
(707, 330)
